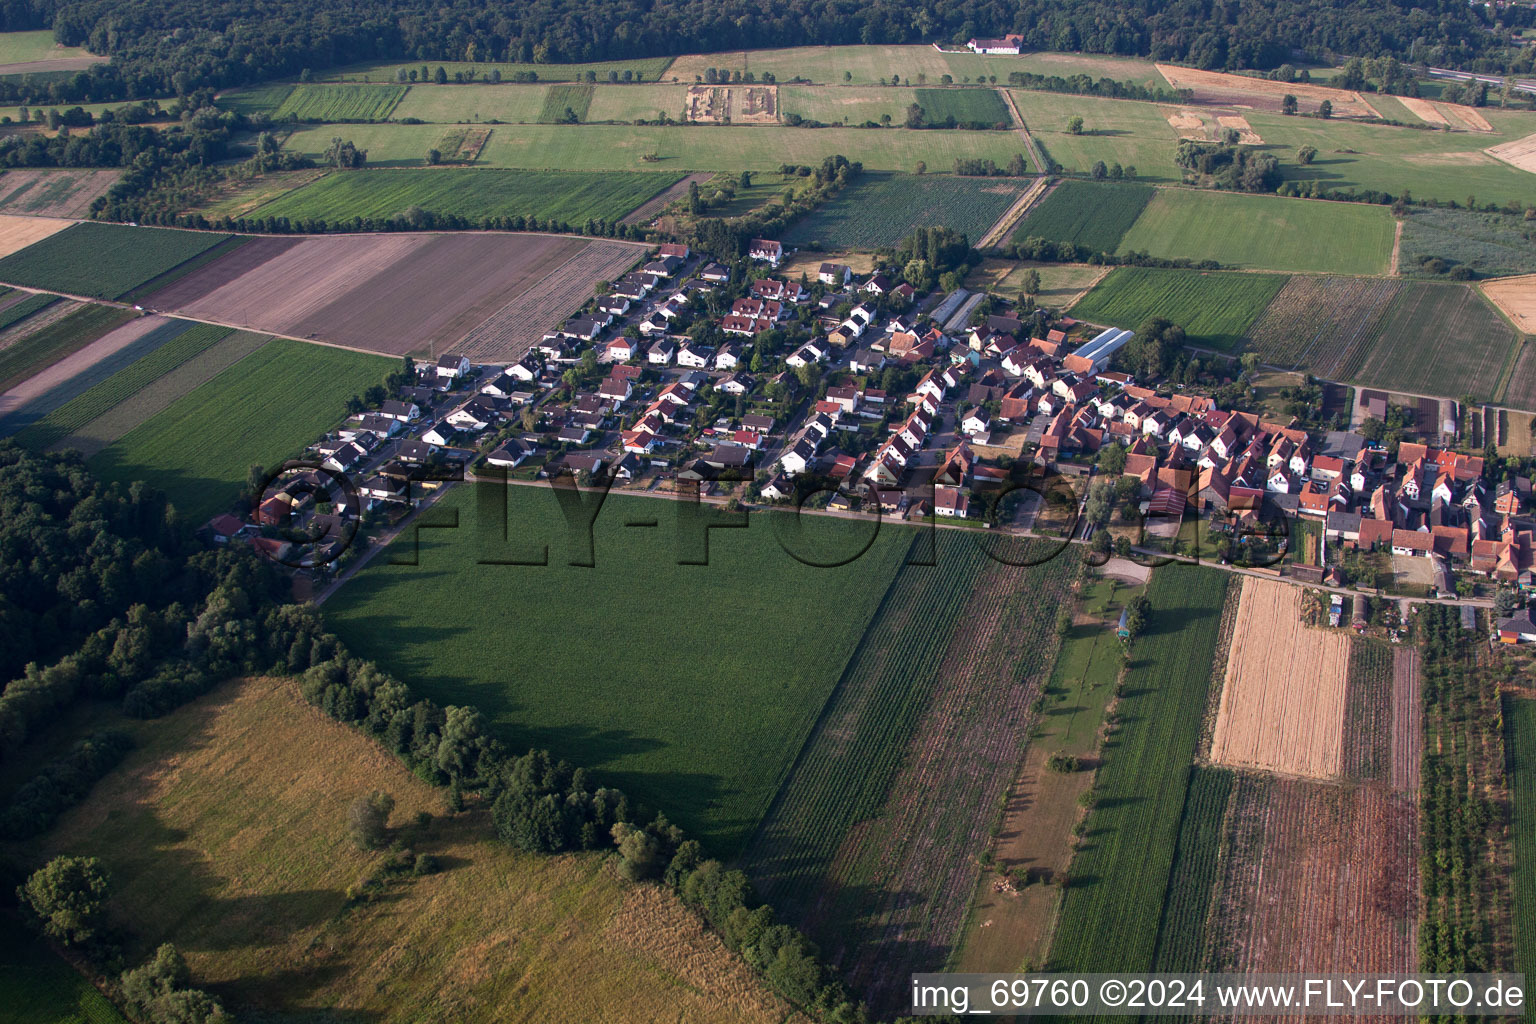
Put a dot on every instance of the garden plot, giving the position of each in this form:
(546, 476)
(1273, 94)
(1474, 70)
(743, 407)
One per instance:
(1283, 698)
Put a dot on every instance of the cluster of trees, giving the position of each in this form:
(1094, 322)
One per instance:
(1045, 250)
(728, 238)
(62, 783)
(1153, 349)
(1017, 167)
(1087, 85)
(932, 256)
(1229, 166)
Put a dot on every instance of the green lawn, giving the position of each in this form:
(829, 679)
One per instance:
(1090, 213)
(681, 148)
(881, 209)
(26, 47)
(1111, 913)
(1215, 309)
(265, 408)
(103, 261)
(691, 687)
(573, 197)
(1263, 232)
(647, 68)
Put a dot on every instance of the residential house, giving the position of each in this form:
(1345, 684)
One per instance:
(765, 250)
(452, 366)
(834, 275)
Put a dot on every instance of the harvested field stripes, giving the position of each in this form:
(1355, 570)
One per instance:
(103, 261)
(67, 382)
(1111, 914)
(1368, 715)
(1322, 324)
(1407, 746)
(31, 353)
(1438, 339)
(1188, 906)
(1283, 698)
(165, 345)
(15, 312)
(16, 233)
(1520, 742)
(157, 396)
(40, 193)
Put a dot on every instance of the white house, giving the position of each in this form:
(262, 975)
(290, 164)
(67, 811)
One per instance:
(452, 366)
(660, 354)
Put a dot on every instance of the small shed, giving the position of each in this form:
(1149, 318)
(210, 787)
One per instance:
(1123, 631)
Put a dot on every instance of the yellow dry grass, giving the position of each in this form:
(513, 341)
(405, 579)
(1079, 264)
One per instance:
(1467, 117)
(1282, 700)
(1515, 296)
(16, 233)
(1187, 125)
(1424, 110)
(1245, 133)
(1346, 103)
(1520, 153)
(225, 833)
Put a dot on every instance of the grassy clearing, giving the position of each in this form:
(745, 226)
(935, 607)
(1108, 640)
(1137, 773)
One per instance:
(624, 103)
(598, 147)
(1520, 747)
(1111, 913)
(966, 106)
(247, 872)
(1215, 309)
(32, 353)
(339, 103)
(25, 47)
(565, 102)
(572, 197)
(464, 104)
(1438, 339)
(103, 261)
(1087, 213)
(1263, 232)
(703, 729)
(189, 341)
(264, 409)
(1493, 244)
(881, 209)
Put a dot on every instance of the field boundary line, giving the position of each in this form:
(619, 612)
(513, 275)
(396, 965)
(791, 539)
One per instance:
(1015, 213)
(1397, 246)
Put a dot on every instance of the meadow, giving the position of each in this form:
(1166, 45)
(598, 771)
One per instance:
(966, 106)
(1440, 339)
(465, 104)
(103, 261)
(647, 69)
(1492, 244)
(265, 408)
(27, 47)
(571, 196)
(1520, 744)
(880, 209)
(853, 105)
(561, 101)
(1111, 914)
(1128, 132)
(598, 147)
(46, 346)
(311, 102)
(1215, 309)
(1263, 232)
(706, 680)
(1086, 213)
(247, 871)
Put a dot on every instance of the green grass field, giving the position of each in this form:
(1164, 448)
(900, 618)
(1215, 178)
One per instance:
(852, 105)
(37, 986)
(599, 147)
(29, 354)
(26, 47)
(182, 341)
(1441, 339)
(964, 105)
(1127, 132)
(257, 99)
(1110, 915)
(569, 196)
(103, 261)
(312, 102)
(1263, 232)
(561, 100)
(1520, 751)
(701, 682)
(646, 68)
(881, 209)
(1193, 876)
(263, 409)
(456, 104)
(914, 64)
(1215, 309)
(1088, 213)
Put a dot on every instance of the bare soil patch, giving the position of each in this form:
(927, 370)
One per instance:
(1425, 111)
(183, 293)
(1520, 153)
(1283, 696)
(736, 104)
(1245, 133)
(1466, 117)
(1240, 90)
(16, 233)
(1188, 125)
(1515, 297)
(53, 193)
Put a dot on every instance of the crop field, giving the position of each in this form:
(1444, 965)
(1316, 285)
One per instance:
(1111, 914)
(1324, 325)
(1283, 698)
(103, 260)
(247, 872)
(966, 106)
(882, 209)
(1520, 389)
(602, 147)
(1263, 232)
(1441, 339)
(462, 104)
(852, 105)
(647, 69)
(896, 787)
(1131, 133)
(1318, 877)
(1214, 308)
(561, 98)
(569, 196)
(310, 102)
(260, 411)
(1515, 297)
(707, 738)
(25, 305)
(16, 233)
(49, 344)
(163, 346)
(1368, 715)
(1493, 244)
(1092, 214)
(1181, 939)
(52, 193)
(38, 986)
(1520, 745)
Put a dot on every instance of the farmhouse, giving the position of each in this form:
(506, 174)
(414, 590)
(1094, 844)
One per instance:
(1009, 45)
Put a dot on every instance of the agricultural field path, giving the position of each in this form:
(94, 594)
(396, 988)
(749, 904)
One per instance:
(1036, 157)
(1014, 213)
(71, 366)
(1397, 248)
(654, 205)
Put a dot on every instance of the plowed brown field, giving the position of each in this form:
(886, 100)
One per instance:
(1283, 698)
(1240, 90)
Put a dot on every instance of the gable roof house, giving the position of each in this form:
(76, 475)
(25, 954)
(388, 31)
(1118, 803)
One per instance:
(452, 366)
(765, 250)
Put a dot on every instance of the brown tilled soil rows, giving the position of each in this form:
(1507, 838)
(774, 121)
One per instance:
(1283, 697)
(1320, 878)
(402, 294)
(1407, 720)
(1242, 91)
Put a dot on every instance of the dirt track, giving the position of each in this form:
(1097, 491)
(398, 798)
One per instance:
(1283, 698)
